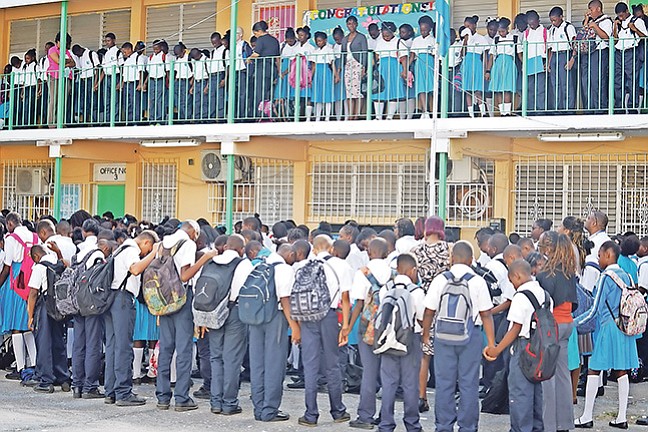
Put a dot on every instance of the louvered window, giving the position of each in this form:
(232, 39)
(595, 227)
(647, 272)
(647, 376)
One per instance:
(190, 23)
(465, 8)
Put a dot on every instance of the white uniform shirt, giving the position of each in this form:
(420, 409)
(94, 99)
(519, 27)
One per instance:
(241, 273)
(86, 63)
(483, 259)
(28, 74)
(537, 42)
(182, 69)
(405, 244)
(606, 24)
(423, 45)
(387, 49)
(112, 58)
(479, 294)
(200, 68)
(504, 46)
(307, 49)
(284, 277)
(86, 246)
(371, 42)
(356, 258)
(38, 278)
(217, 63)
(324, 55)
(133, 66)
(642, 272)
(560, 37)
(65, 244)
(94, 256)
(521, 308)
(13, 249)
(361, 286)
(129, 254)
(626, 37)
(591, 274)
(404, 47)
(501, 273)
(418, 295)
(454, 56)
(186, 255)
(158, 65)
(43, 65)
(476, 43)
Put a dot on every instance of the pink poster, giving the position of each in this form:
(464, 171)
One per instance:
(279, 18)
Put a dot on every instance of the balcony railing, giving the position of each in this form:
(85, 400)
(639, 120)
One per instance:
(522, 78)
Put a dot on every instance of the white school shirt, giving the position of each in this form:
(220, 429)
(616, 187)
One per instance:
(559, 38)
(521, 308)
(606, 24)
(405, 244)
(371, 42)
(360, 286)
(288, 51)
(476, 43)
(241, 272)
(94, 256)
(387, 49)
(418, 296)
(201, 68)
(158, 65)
(182, 69)
(129, 254)
(240, 62)
(112, 58)
(479, 294)
(591, 274)
(483, 259)
(537, 38)
(627, 38)
(324, 55)
(43, 66)
(642, 272)
(133, 66)
(284, 277)
(404, 47)
(13, 249)
(356, 259)
(423, 45)
(307, 49)
(29, 74)
(455, 54)
(501, 273)
(186, 255)
(86, 246)
(38, 278)
(86, 63)
(65, 245)
(217, 63)
(504, 46)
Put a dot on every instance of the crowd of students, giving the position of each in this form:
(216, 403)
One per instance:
(566, 69)
(410, 267)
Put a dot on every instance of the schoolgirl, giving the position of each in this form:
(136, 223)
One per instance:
(472, 67)
(422, 56)
(324, 77)
(502, 72)
(392, 84)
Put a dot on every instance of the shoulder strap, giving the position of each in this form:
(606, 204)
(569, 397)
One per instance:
(174, 250)
(503, 262)
(467, 277)
(448, 275)
(532, 298)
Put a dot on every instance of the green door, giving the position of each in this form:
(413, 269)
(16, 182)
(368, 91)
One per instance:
(111, 198)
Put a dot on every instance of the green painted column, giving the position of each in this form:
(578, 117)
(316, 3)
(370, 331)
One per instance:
(60, 106)
(443, 156)
(231, 111)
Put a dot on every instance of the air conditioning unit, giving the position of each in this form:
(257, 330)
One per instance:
(32, 181)
(464, 171)
(213, 167)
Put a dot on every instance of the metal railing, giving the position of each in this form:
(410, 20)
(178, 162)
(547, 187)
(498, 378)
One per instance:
(521, 78)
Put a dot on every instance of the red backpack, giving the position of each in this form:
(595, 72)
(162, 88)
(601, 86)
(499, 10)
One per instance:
(19, 283)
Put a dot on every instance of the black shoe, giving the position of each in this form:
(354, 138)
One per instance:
(14, 376)
(216, 410)
(29, 383)
(93, 394)
(359, 424)
(344, 417)
(109, 400)
(66, 387)
(137, 381)
(483, 392)
(234, 411)
(600, 392)
(44, 388)
(642, 421)
(187, 406)
(423, 405)
(131, 400)
(293, 372)
(196, 374)
(622, 425)
(76, 393)
(202, 393)
(172, 384)
(587, 425)
(581, 392)
(376, 421)
(297, 385)
(279, 417)
(303, 422)
(163, 406)
(148, 380)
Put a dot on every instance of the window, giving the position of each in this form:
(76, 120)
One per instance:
(159, 188)
(190, 23)
(71, 199)
(278, 14)
(482, 8)
(26, 187)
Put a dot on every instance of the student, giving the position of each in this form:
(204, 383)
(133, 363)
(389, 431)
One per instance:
(324, 77)
(458, 366)
(390, 72)
(536, 37)
(264, 57)
(284, 93)
(176, 330)
(404, 230)
(85, 98)
(200, 86)
(629, 246)
(594, 70)
(612, 349)
(406, 37)
(132, 83)
(183, 77)
(157, 67)
(63, 240)
(53, 71)
(110, 65)
(305, 48)
(422, 55)
(89, 231)
(374, 35)
(401, 371)
(472, 67)
(339, 89)
(642, 267)
(14, 308)
(525, 397)
(560, 62)
(43, 67)
(595, 225)
(539, 227)
(627, 31)
(217, 83)
(356, 259)
(320, 339)
(366, 280)
(502, 73)
(243, 51)
(228, 343)
(269, 343)
(28, 78)
(527, 246)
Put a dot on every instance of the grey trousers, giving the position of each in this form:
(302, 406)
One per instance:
(369, 383)
(525, 397)
(557, 406)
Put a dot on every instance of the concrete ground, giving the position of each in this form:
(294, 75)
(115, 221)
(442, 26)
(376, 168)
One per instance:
(21, 409)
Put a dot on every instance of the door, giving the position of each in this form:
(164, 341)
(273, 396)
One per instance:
(111, 198)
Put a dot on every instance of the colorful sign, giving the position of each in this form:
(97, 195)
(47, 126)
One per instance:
(279, 18)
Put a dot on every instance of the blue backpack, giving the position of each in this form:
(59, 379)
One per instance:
(258, 296)
(585, 302)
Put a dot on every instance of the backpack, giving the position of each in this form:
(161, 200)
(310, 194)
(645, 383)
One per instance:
(19, 282)
(585, 302)
(95, 296)
(539, 356)
(310, 299)
(586, 37)
(394, 323)
(211, 294)
(258, 296)
(305, 78)
(66, 287)
(496, 400)
(633, 310)
(454, 319)
(54, 272)
(164, 292)
(490, 278)
(370, 311)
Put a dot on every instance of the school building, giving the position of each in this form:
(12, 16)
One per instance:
(512, 168)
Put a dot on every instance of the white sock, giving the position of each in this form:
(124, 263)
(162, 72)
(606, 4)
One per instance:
(471, 111)
(30, 342)
(402, 109)
(482, 109)
(19, 350)
(491, 107)
(600, 383)
(379, 107)
(318, 111)
(624, 391)
(411, 107)
(591, 387)
(173, 367)
(328, 107)
(500, 107)
(392, 107)
(194, 353)
(309, 112)
(508, 107)
(338, 110)
(137, 362)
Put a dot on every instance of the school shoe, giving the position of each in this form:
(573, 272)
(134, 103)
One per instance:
(281, 416)
(344, 417)
(642, 421)
(14, 376)
(599, 393)
(621, 425)
(93, 394)
(586, 425)
(234, 411)
(131, 400)
(44, 388)
(215, 410)
(202, 393)
(66, 387)
(187, 406)
(423, 405)
(299, 384)
(304, 422)
(29, 383)
(163, 406)
(109, 400)
(359, 424)
(137, 381)
(76, 393)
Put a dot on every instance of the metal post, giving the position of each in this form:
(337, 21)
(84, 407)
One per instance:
(611, 76)
(433, 149)
(171, 91)
(298, 63)
(60, 106)
(445, 87)
(231, 103)
(370, 67)
(13, 94)
(113, 96)
(525, 78)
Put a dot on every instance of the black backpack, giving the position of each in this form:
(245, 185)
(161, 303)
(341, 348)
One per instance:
(496, 400)
(54, 272)
(491, 281)
(539, 357)
(95, 295)
(211, 294)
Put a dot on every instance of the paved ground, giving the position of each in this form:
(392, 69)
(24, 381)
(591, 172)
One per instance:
(23, 410)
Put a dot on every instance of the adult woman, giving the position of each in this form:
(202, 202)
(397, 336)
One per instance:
(53, 55)
(433, 258)
(265, 55)
(558, 278)
(422, 55)
(390, 71)
(355, 66)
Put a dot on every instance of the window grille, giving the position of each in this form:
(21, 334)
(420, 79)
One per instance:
(159, 189)
(71, 199)
(29, 206)
(278, 14)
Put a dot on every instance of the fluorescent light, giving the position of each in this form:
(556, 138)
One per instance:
(170, 143)
(580, 137)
